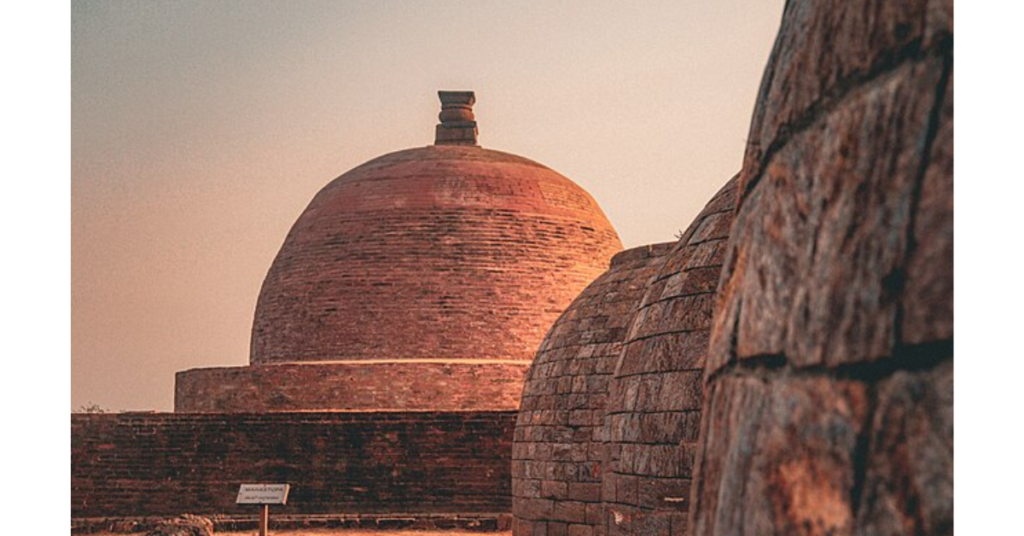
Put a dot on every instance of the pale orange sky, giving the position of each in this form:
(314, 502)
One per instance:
(200, 131)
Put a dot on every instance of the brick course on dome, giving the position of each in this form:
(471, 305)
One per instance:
(654, 400)
(556, 453)
(829, 406)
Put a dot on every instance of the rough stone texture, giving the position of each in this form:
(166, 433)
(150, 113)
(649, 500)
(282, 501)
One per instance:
(794, 446)
(908, 484)
(928, 297)
(355, 385)
(825, 233)
(556, 453)
(652, 413)
(160, 464)
(826, 47)
(184, 525)
(441, 252)
(829, 377)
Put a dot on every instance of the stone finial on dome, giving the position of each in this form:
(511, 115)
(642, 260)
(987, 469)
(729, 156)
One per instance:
(458, 125)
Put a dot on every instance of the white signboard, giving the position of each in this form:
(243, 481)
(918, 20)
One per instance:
(262, 494)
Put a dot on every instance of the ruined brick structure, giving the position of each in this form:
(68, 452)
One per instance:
(829, 404)
(786, 367)
(417, 275)
(390, 341)
(654, 401)
(557, 454)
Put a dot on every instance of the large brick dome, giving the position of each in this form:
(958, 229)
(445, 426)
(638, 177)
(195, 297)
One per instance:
(452, 252)
(423, 279)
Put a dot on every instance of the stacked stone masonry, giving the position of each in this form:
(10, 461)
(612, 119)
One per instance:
(556, 454)
(829, 395)
(652, 417)
(165, 464)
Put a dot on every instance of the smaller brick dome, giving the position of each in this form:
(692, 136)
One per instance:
(652, 416)
(556, 453)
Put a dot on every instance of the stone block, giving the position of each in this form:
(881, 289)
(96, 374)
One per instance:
(908, 484)
(822, 240)
(780, 456)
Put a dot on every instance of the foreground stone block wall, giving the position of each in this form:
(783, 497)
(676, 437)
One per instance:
(829, 395)
(149, 464)
(653, 407)
(557, 454)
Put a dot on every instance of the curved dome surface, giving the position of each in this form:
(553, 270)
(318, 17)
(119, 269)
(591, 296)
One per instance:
(556, 452)
(440, 252)
(652, 413)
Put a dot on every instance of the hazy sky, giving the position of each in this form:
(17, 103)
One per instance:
(200, 131)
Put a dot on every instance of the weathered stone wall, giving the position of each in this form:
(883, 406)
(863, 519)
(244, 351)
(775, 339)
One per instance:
(429, 385)
(829, 395)
(146, 464)
(557, 452)
(655, 395)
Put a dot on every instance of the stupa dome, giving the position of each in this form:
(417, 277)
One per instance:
(446, 251)
(449, 255)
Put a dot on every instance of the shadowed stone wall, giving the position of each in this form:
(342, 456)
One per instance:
(829, 394)
(557, 452)
(150, 464)
(653, 406)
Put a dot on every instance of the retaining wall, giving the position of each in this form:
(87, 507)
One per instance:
(149, 464)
